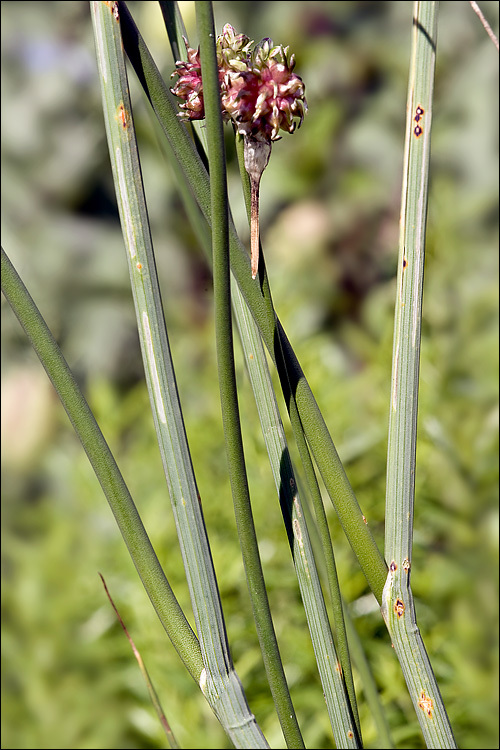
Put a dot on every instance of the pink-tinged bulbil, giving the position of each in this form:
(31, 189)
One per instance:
(268, 97)
(189, 86)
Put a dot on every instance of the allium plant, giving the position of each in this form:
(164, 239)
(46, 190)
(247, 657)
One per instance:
(260, 95)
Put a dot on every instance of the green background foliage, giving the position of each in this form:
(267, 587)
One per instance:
(329, 220)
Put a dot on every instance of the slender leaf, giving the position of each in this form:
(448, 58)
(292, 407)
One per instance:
(170, 737)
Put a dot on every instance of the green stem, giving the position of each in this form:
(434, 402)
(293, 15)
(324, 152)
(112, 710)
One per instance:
(294, 517)
(397, 606)
(106, 470)
(313, 486)
(370, 689)
(227, 379)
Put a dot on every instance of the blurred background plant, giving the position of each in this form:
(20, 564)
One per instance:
(329, 224)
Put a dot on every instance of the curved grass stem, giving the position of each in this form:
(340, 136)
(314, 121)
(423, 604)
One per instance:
(105, 468)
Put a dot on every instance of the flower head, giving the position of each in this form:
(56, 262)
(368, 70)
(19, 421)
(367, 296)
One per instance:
(268, 96)
(260, 93)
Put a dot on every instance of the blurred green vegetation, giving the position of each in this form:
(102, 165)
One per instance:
(329, 219)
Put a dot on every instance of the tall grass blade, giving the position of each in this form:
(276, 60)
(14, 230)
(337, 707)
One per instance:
(370, 689)
(274, 434)
(170, 737)
(344, 727)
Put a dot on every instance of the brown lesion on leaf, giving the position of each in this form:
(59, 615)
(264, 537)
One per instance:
(399, 607)
(113, 6)
(419, 113)
(114, 9)
(350, 734)
(393, 567)
(123, 116)
(418, 129)
(406, 565)
(426, 704)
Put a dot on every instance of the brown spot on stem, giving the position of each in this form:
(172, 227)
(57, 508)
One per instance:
(122, 116)
(399, 607)
(113, 6)
(393, 567)
(350, 734)
(426, 704)
(419, 113)
(406, 565)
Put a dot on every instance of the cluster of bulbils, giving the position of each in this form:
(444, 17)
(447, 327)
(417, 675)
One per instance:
(260, 95)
